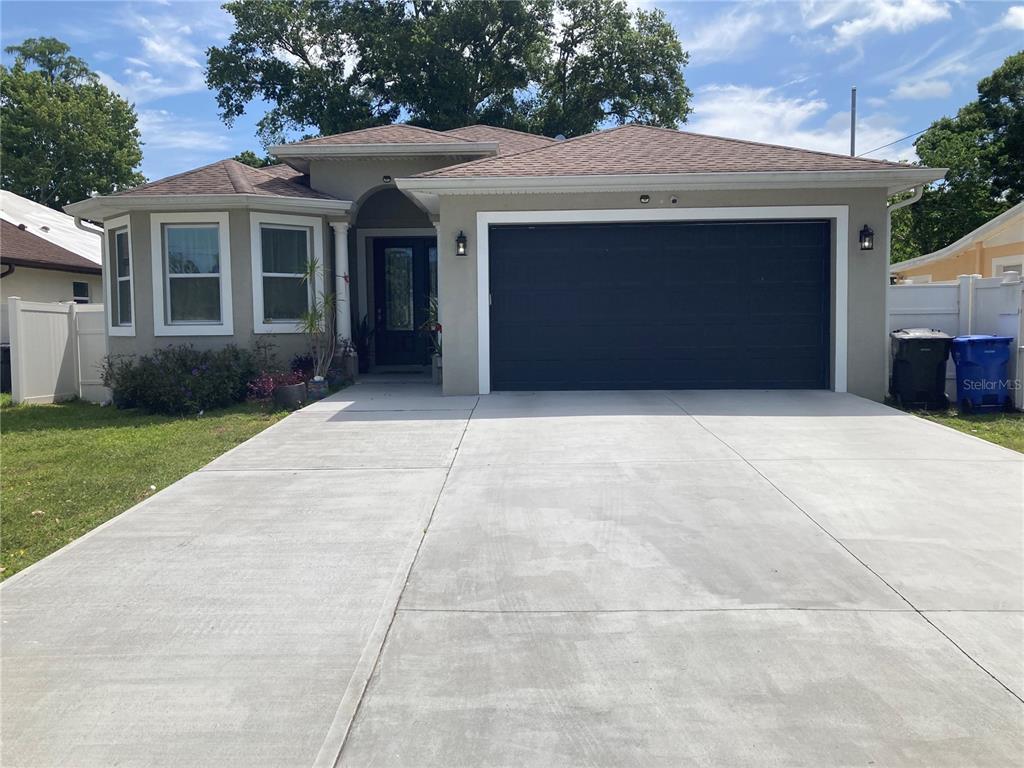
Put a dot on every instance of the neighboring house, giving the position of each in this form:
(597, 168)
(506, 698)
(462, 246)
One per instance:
(44, 256)
(992, 249)
(635, 257)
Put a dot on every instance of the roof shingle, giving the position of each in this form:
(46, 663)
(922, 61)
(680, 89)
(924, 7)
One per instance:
(509, 142)
(639, 149)
(20, 247)
(230, 177)
(396, 133)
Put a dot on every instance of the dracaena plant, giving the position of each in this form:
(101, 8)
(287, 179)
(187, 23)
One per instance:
(317, 322)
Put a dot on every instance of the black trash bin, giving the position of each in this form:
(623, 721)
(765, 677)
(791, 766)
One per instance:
(918, 376)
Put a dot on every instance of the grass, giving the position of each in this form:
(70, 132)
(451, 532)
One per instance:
(67, 468)
(1005, 429)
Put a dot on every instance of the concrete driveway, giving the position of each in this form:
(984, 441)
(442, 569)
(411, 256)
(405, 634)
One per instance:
(392, 578)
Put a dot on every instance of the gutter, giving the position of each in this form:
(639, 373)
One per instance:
(84, 228)
(100, 207)
(892, 180)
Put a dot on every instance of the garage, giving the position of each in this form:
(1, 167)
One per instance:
(660, 305)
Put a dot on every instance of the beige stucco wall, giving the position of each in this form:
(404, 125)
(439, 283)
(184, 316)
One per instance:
(867, 270)
(974, 259)
(144, 340)
(48, 285)
(355, 178)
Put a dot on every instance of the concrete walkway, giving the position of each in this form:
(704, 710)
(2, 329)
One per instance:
(392, 578)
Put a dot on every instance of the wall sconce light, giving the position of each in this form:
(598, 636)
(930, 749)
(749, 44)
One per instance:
(645, 199)
(867, 238)
(460, 244)
(386, 179)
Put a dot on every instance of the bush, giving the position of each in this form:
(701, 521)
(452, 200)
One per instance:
(262, 387)
(305, 364)
(181, 379)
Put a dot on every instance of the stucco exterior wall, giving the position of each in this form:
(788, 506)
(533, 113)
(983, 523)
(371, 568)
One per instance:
(867, 275)
(355, 178)
(286, 344)
(48, 285)
(985, 256)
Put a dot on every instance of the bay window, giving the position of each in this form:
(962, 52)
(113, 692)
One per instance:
(118, 282)
(282, 249)
(191, 276)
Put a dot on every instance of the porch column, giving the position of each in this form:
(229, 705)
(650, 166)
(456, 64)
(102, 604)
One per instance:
(440, 304)
(343, 305)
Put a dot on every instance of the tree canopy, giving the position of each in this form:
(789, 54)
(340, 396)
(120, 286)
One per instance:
(551, 66)
(65, 134)
(982, 145)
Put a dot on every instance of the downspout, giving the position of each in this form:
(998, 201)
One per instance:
(918, 192)
(84, 228)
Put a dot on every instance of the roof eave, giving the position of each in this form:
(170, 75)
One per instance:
(100, 208)
(892, 180)
(78, 269)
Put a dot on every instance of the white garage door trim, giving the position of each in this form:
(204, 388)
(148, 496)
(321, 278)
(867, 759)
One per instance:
(484, 220)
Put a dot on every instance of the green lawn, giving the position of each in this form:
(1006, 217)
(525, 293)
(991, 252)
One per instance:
(1006, 429)
(64, 469)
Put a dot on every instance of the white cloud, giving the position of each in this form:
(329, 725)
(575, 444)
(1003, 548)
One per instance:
(853, 20)
(763, 114)
(162, 129)
(922, 89)
(1014, 18)
(729, 35)
(139, 86)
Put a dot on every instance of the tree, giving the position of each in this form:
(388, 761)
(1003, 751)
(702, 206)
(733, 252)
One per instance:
(336, 65)
(248, 157)
(65, 134)
(982, 146)
(610, 64)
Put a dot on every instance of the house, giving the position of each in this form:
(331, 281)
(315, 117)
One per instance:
(992, 249)
(634, 257)
(44, 256)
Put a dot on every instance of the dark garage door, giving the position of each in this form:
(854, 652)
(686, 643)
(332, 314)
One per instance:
(694, 305)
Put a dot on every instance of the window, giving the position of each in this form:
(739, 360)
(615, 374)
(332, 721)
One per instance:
(283, 246)
(192, 267)
(285, 258)
(191, 274)
(399, 294)
(80, 292)
(118, 277)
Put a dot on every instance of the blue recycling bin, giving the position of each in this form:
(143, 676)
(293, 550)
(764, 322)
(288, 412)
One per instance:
(982, 380)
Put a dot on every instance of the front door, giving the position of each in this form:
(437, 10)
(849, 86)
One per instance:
(404, 280)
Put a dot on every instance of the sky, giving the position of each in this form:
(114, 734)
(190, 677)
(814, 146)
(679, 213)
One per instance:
(769, 71)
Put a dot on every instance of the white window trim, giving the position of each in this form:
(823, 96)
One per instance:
(840, 213)
(110, 273)
(256, 222)
(1002, 261)
(160, 325)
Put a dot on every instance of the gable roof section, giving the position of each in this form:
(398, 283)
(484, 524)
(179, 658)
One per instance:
(989, 228)
(396, 133)
(230, 177)
(640, 149)
(51, 225)
(509, 142)
(22, 248)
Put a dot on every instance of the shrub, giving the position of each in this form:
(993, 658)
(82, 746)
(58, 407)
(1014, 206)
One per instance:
(180, 379)
(262, 387)
(304, 364)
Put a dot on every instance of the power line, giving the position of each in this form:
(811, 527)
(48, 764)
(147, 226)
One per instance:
(912, 135)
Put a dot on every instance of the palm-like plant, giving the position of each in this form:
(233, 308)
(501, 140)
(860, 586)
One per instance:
(317, 322)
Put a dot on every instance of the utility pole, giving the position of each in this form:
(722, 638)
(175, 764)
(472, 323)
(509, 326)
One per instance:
(853, 121)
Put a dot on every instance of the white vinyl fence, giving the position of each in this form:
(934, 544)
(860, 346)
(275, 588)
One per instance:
(973, 304)
(56, 351)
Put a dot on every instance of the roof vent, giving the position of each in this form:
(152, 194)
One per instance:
(45, 227)
(560, 137)
(22, 227)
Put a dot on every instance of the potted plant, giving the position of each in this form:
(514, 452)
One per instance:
(433, 329)
(361, 340)
(317, 323)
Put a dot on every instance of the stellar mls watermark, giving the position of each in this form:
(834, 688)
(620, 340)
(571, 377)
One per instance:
(993, 385)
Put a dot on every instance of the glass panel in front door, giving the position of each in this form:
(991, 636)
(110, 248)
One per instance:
(398, 279)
